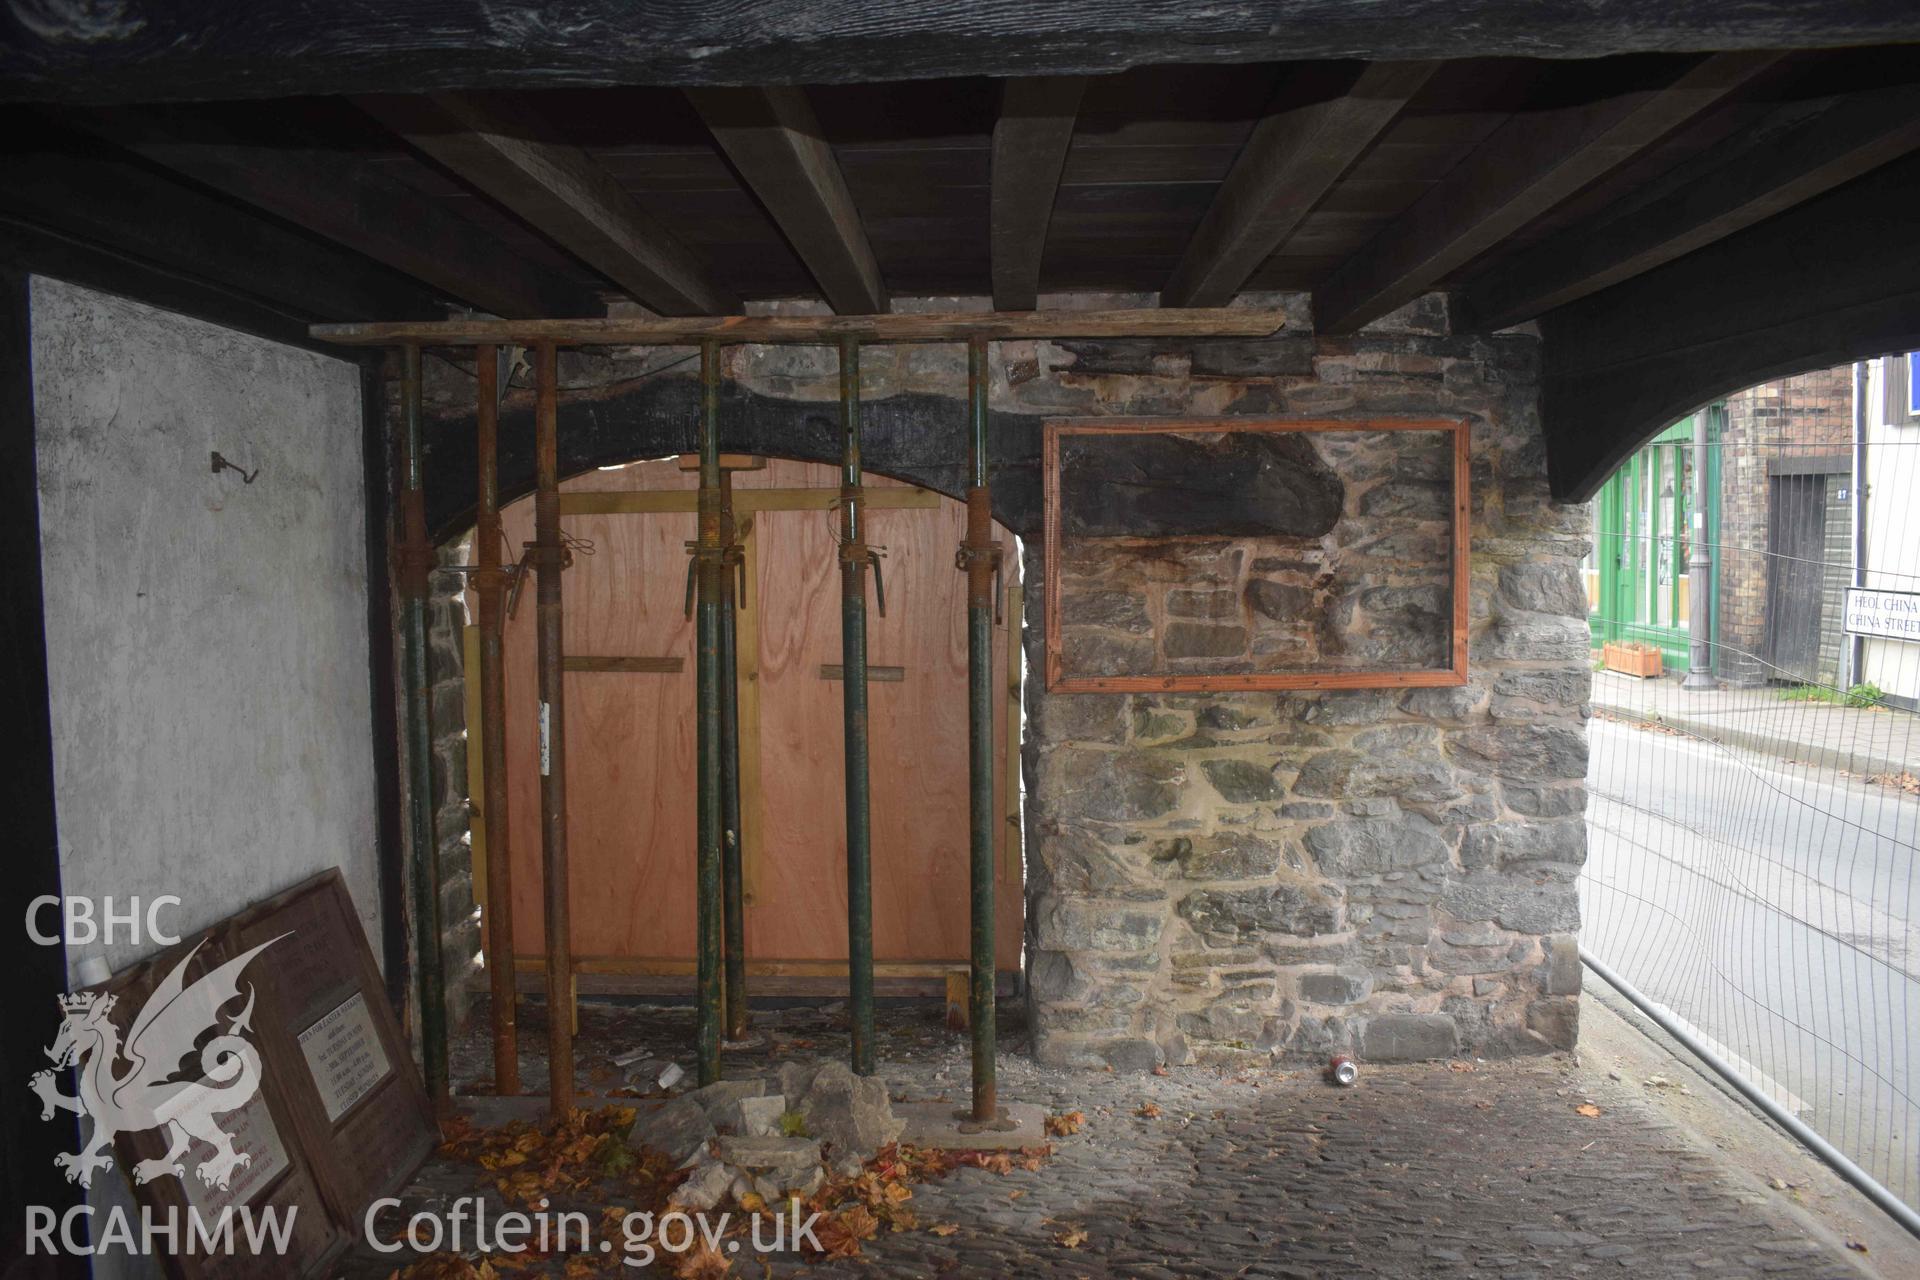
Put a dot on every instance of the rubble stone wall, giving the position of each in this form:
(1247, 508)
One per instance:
(1388, 873)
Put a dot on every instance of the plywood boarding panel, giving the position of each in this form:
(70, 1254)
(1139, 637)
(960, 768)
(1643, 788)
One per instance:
(631, 735)
(630, 764)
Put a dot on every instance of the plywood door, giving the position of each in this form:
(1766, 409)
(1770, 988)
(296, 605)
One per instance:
(631, 737)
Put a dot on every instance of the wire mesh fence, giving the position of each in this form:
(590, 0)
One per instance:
(1753, 836)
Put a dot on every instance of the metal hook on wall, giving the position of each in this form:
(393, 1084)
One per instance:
(221, 464)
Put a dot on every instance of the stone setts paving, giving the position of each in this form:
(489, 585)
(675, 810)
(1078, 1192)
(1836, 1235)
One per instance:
(1453, 1168)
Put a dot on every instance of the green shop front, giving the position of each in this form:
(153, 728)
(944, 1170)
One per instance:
(1636, 572)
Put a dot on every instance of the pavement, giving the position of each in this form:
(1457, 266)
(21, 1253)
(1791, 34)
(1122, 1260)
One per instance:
(1860, 740)
(1554, 1166)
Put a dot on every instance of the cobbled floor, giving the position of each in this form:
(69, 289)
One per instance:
(1460, 1169)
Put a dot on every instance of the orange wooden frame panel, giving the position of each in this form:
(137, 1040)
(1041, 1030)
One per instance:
(1460, 544)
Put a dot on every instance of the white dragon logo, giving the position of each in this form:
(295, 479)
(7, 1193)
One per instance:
(153, 1090)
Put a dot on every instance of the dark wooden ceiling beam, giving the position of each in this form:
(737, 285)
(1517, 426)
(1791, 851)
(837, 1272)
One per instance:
(1526, 167)
(1295, 154)
(559, 191)
(1030, 141)
(72, 189)
(347, 200)
(775, 141)
(1800, 152)
(73, 52)
(1829, 281)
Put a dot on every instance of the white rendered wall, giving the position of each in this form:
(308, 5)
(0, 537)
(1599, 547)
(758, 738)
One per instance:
(1893, 532)
(206, 638)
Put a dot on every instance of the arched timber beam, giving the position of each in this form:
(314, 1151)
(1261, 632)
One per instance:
(1833, 280)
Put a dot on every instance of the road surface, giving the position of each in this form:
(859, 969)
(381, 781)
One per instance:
(1776, 908)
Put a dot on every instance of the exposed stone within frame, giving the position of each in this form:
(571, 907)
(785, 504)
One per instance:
(1211, 495)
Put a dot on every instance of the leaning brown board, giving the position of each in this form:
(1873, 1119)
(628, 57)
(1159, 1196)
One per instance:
(237, 1186)
(331, 1037)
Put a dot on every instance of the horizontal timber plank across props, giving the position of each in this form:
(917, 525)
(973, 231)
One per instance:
(675, 967)
(1195, 322)
(638, 502)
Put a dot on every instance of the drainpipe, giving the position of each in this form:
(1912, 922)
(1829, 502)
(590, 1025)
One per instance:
(980, 558)
(1857, 645)
(708, 552)
(1699, 568)
(855, 556)
(550, 559)
(489, 587)
(414, 563)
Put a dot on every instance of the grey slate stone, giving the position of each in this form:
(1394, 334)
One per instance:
(1231, 915)
(1080, 924)
(1335, 988)
(1504, 845)
(850, 1114)
(1521, 903)
(1564, 972)
(1242, 781)
(787, 1162)
(677, 1129)
(1408, 1037)
(1131, 1055)
(1117, 786)
(1371, 846)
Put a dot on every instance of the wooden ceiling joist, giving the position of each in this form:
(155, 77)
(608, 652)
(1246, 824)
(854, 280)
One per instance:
(1195, 322)
(84, 195)
(559, 191)
(773, 138)
(1030, 140)
(1791, 157)
(1525, 168)
(346, 199)
(1296, 153)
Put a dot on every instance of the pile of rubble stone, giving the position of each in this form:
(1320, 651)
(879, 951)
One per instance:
(771, 1138)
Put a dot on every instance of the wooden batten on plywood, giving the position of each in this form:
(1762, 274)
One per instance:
(642, 666)
(885, 675)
